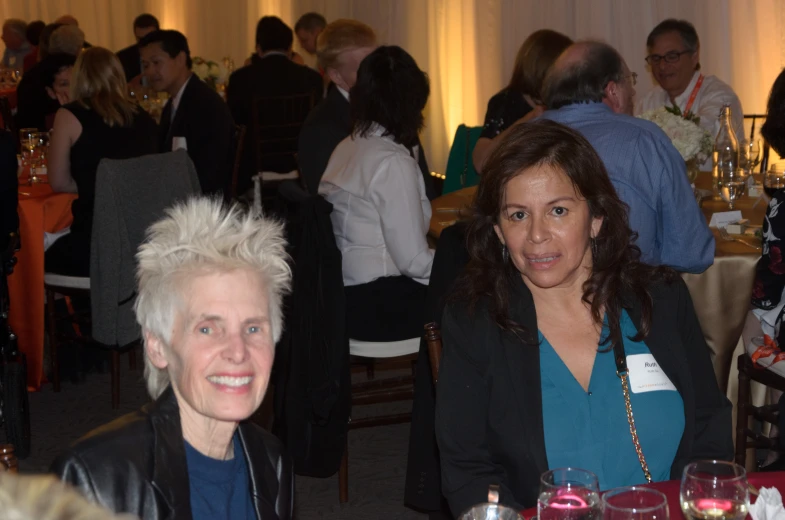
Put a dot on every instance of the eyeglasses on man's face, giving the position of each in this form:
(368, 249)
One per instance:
(670, 57)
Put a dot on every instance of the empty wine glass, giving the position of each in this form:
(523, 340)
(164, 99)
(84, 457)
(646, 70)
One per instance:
(634, 503)
(732, 185)
(569, 494)
(714, 489)
(753, 148)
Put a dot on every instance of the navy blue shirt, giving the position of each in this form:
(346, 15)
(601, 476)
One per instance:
(589, 430)
(219, 488)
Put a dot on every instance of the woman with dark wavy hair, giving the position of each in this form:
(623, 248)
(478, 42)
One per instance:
(553, 303)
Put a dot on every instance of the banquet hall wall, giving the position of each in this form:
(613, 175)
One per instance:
(467, 46)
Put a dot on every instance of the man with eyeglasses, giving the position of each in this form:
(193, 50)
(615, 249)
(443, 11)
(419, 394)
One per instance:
(674, 60)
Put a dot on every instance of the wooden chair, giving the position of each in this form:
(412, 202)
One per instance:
(239, 143)
(433, 339)
(374, 391)
(745, 436)
(764, 159)
(8, 120)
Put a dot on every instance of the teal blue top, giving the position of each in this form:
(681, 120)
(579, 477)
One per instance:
(589, 430)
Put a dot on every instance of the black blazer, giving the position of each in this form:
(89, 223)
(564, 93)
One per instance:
(130, 59)
(9, 184)
(136, 464)
(489, 422)
(273, 75)
(203, 118)
(328, 124)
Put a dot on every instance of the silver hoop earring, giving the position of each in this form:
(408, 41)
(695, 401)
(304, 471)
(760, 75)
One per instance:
(505, 254)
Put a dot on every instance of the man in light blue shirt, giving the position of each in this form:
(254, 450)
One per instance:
(591, 90)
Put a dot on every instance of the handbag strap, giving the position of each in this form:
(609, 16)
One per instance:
(623, 373)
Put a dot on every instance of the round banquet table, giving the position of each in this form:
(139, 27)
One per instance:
(721, 294)
(671, 491)
(40, 210)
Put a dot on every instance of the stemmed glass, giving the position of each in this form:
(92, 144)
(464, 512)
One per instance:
(753, 150)
(569, 494)
(773, 181)
(714, 489)
(634, 503)
(733, 184)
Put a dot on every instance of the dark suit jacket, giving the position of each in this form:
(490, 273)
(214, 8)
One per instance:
(328, 124)
(273, 75)
(9, 219)
(206, 123)
(489, 423)
(129, 57)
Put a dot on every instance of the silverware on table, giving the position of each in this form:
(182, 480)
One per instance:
(727, 236)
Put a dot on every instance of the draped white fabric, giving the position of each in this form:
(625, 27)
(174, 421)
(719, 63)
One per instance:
(466, 46)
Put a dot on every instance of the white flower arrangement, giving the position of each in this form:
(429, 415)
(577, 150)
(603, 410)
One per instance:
(211, 72)
(692, 141)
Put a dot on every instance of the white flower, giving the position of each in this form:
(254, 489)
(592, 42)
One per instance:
(692, 141)
(201, 69)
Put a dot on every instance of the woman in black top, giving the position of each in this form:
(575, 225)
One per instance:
(521, 100)
(100, 122)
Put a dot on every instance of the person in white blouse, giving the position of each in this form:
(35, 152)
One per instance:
(674, 59)
(380, 210)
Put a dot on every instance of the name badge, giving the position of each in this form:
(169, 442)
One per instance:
(646, 375)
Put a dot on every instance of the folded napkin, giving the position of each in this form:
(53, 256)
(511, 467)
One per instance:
(768, 506)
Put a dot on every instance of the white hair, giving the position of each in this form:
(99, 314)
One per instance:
(195, 237)
(68, 39)
(43, 497)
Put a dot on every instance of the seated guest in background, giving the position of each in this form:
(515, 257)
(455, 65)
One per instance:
(144, 24)
(553, 295)
(33, 35)
(521, 100)
(57, 77)
(43, 39)
(674, 60)
(274, 74)
(100, 122)
(380, 211)
(308, 28)
(591, 90)
(195, 117)
(16, 45)
(9, 219)
(210, 283)
(53, 76)
(34, 104)
(341, 47)
(67, 19)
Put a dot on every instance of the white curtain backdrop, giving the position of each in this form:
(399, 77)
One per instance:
(466, 46)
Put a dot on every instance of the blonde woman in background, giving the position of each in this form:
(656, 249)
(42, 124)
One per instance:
(101, 121)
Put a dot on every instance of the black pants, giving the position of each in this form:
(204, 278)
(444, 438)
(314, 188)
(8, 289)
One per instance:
(387, 309)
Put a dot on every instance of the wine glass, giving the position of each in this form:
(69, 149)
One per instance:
(569, 494)
(773, 181)
(732, 185)
(634, 503)
(754, 153)
(714, 489)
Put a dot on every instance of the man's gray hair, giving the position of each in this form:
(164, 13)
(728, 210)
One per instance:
(197, 237)
(18, 26)
(583, 80)
(68, 39)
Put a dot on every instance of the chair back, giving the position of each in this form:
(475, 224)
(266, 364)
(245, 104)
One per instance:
(433, 339)
(276, 128)
(8, 120)
(460, 171)
(764, 159)
(130, 195)
(239, 146)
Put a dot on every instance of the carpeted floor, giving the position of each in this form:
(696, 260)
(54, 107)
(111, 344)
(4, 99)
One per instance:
(377, 456)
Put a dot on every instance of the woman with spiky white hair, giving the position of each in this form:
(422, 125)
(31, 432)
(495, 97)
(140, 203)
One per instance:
(210, 283)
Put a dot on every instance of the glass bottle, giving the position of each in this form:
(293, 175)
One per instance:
(726, 155)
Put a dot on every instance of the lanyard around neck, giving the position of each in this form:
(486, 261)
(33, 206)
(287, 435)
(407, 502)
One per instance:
(693, 95)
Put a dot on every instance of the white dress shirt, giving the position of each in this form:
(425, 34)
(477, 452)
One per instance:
(380, 211)
(708, 103)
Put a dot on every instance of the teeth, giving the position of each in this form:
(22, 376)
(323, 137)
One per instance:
(539, 260)
(230, 381)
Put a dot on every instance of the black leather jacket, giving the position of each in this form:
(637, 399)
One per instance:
(136, 464)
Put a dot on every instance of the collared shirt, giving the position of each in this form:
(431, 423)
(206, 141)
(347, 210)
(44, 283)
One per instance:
(708, 103)
(15, 59)
(178, 96)
(650, 176)
(380, 211)
(344, 93)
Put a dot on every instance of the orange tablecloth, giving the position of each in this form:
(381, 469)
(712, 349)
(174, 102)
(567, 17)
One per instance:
(40, 210)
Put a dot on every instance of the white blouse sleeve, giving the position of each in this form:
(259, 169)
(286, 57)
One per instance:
(397, 190)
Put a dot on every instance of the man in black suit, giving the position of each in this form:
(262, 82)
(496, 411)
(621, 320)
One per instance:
(341, 48)
(144, 24)
(272, 74)
(195, 117)
(9, 219)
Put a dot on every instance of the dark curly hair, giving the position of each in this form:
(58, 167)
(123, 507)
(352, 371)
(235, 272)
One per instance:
(391, 91)
(616, 268)
(773, 130)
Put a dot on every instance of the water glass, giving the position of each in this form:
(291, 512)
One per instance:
(733, 184)
(490, 512)
(714, 489)
(634, 503)
(569, 494)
